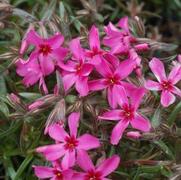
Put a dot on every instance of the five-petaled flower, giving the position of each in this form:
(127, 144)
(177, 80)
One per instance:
(67, 144)
(56, 172)
(42, 60)
(164, 84)
(92, 172)
(76, 70)
(127, 114)
(113, 72)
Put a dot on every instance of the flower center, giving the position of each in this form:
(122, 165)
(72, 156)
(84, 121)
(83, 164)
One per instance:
(71, 143)
(93, 176)
(166, 85)
(45, 49)
(128, 112)
(112, 81)
(78, 68)
(58, 174)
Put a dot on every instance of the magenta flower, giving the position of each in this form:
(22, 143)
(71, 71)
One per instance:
(128, 114)
(53, 173)
(164, 84)
(67, 145)
(113, 72)
(94, 54)
(76, 71)
(122, 42)
(31, 72)
(95, 173)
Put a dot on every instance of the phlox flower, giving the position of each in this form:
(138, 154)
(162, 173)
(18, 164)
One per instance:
(56, 172)
(127, 114)
(67, 144)
(92, 172)
(48, 51)
(43, 59)
(113, 72)
(122, 42)
(95, 52)
(165, 84)
(31, 72)
(76, 70)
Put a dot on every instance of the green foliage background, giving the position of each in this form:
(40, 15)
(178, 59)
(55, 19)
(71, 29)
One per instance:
(156, 156)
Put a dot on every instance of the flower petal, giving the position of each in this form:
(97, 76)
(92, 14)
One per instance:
(104, 69)
(73, 122)
(43, 172)
(112, 98)
(68, 160)
(55, 41)
(123, 23)
(125, 68)
(34, 38)
(57, 132)
(81, 85)
(109, 165)
(175, 74)
(113, 115)
(69, 80)
(141, 123)
(87, 142)
(158, 69)
(121, 95)
(136, 96)
(86, 69)
(118, 130)
(47, 65)
(96, 85)
(176, 91)
(52, 152)
(167, 98)
(77, 50)
(152, 85)
(84, 161)
(59, 54)
(94, 41)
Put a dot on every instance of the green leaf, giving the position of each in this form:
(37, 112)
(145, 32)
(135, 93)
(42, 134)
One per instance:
(165, 149)
(4, 108)
(49, 11)
(23, 166)
(3, 89)
(155, 120)
(172, 117)
(30, 96)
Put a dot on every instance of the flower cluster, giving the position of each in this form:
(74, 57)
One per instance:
(73, 150)
(96, 68)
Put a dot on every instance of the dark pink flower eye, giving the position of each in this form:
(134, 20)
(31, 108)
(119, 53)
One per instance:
(93, 175)
(58, 174)
(113, 80)
(166, 85)
(71, 143)
(128, 112)
(45, 49)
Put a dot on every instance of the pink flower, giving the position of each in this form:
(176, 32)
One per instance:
(122, 42)
(113, 72)
(42, 60)
(67, 145)
(95, 173)
(128, 114)
(31, 72)
(94, 54)
(164, 84)
(48, 51)
(53, 173)
(76, 71)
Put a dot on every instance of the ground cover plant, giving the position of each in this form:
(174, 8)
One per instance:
(90, 90)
